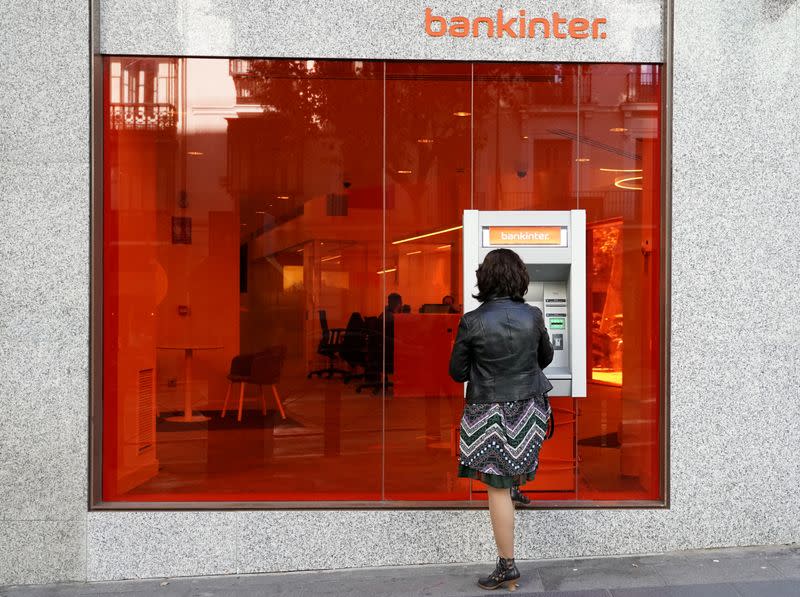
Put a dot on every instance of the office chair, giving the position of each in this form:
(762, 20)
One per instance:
(353, 349)
(328, 347)
(376, 369)
(261, 369)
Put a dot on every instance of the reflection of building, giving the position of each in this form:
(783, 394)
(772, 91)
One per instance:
(142, 138)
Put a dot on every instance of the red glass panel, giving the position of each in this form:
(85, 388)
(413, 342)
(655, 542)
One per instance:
(620, 188)
(526, 124)
(242, 229)
(428, 174)
(560, 137)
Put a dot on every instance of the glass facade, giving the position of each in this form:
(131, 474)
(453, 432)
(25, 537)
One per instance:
(258, 215)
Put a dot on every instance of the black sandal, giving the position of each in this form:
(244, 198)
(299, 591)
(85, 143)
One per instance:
(518, 497)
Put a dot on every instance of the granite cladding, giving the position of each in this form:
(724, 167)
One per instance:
(44, 289)
(368, 29)
(735, 408)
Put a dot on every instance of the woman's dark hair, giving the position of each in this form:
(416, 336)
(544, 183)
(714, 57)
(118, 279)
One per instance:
(502, 273)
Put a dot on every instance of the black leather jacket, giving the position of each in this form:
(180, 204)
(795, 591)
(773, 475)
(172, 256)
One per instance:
(500, 350)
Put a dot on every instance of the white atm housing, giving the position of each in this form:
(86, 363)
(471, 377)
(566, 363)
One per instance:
(552, 244)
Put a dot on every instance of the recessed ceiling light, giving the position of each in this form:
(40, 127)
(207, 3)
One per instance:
(620, 170)
(462, 113)
(582, 160)
(261, 212)
(414, 253)
(282, 197)
(618, 129)
(442, 247)
(524, 137)
(194, 153)
(627, 183)
(404, 171)
(425, 141)
(409, 239)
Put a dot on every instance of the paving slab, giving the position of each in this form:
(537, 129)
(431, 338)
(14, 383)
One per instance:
(772, 571)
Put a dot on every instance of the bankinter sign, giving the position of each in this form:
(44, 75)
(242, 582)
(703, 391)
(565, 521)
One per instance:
(524, 235)
(520, 26)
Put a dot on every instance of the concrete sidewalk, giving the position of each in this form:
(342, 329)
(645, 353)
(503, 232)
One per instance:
(742, 572)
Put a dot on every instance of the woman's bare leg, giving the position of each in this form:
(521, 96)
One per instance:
(501, 511)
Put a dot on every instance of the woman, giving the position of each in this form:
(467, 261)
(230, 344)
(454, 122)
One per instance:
(500, 351)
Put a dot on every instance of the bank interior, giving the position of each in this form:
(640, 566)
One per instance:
(258, 214)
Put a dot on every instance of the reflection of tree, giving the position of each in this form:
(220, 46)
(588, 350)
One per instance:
(422, 131)
(605, 240)
(308, 95)
(308, 100)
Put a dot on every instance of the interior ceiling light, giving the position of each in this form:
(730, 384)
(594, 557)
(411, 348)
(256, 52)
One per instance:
(404, 171)
(618, 129)
(282, 197)
(443, 247)
(331, 258)
(524, 137)
(194, 153)
(261, 212)
(414, 253)
(386, 271)
(406, 240)
(623, 183)
(425, 141)
(582, 160)
(462, 113)
(620, 170)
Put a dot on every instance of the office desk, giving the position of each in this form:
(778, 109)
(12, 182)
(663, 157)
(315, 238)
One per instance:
(422, 346)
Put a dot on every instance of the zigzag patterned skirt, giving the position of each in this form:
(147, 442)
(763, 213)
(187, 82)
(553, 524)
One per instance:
(500, 441)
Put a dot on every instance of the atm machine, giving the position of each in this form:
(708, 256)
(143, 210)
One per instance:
(552, 244)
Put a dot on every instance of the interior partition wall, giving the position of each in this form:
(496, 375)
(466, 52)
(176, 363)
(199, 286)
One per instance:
(281, 275)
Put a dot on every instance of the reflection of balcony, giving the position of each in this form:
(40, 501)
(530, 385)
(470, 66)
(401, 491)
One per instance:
(239, 66)
(245, 90)
(241, 71)
(143, 117)
(644, 87)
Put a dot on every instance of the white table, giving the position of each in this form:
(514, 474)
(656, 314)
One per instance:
(188, 351)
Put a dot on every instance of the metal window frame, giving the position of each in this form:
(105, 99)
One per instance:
(95, 463)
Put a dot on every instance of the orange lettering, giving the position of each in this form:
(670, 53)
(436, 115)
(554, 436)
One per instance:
(486, 21)
(505, 26)
(430, 18)
(516, 27)
(557, 22)
(579, 28)
(596, 29)
(532, 27)
(459, 27)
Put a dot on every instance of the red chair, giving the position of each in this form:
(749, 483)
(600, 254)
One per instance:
(261, 369)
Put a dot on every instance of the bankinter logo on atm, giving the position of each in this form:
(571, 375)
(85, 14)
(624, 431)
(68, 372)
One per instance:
(523, 236)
